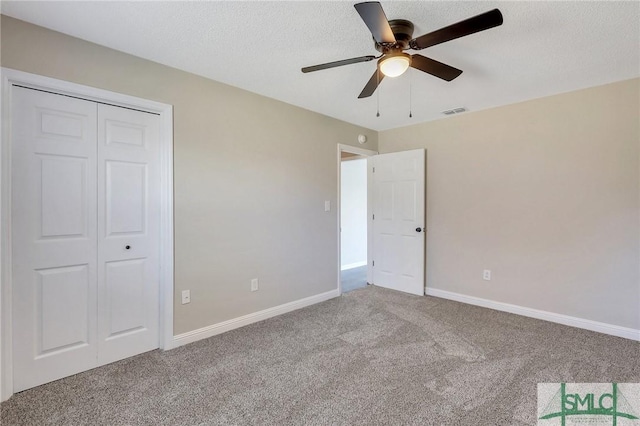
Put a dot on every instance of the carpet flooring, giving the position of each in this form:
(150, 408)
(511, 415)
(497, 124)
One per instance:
(370, 357)
(353, 278)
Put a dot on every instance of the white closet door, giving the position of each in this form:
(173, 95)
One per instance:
(53, 236)
(85, 235)
(128, 232)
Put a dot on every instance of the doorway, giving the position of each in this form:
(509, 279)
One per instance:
(395, 220)
(353, 220)
(354, 241)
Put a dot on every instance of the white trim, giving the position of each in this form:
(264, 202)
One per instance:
(9, 78)
(367, 153)
(353, 265)
(6, 376)
(232, 324)
(600, 327)
(166, 231)
(355, 150)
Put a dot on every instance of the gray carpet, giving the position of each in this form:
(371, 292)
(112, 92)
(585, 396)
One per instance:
(353, 278)
(370, 357)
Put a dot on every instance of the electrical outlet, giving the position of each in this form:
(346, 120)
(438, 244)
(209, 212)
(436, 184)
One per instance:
(254, 284)
(186, 296)
(486, 275)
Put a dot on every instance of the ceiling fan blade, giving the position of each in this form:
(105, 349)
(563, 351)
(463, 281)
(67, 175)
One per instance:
(434, 67)
(373, 15)
(338, 63)
(482, 22)
(372, 84)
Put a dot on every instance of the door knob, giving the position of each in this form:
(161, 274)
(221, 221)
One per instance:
(418, 229)
(127, 247)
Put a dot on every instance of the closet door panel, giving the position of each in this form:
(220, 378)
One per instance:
(54, 241)
(128, 232)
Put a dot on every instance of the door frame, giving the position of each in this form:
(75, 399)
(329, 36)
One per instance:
(11, 77)
(365, 153)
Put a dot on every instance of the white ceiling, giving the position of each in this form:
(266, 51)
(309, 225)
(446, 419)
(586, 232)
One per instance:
(542, 48)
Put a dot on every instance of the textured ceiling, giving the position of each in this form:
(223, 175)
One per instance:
(542, 48)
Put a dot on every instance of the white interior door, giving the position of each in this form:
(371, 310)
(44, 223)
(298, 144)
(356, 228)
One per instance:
(85, 235)
(128, 232)
(53, 236)
(398, 220)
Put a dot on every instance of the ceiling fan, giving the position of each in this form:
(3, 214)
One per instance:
(393, 37)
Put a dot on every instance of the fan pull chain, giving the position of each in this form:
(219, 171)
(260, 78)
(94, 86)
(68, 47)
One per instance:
(410, 93)
(378, 92)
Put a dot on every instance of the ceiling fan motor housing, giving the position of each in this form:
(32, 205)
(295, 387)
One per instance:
(403, 31)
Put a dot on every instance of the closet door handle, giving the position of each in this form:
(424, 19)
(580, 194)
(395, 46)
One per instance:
(127, 247)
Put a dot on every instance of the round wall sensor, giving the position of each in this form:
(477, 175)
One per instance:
(362, 139)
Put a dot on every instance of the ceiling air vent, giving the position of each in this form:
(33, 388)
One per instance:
(454, 111)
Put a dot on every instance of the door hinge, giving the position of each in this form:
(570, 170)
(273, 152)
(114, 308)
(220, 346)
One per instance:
(373, 263)
(374, 170)
(374, 217)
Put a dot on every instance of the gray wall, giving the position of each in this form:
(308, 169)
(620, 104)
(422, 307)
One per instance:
(251, 176)
(545, 194)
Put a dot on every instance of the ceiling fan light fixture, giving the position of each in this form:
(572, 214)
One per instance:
(395, 64)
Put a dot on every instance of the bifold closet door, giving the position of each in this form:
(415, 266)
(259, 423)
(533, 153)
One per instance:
(85, 235)
(54, 244)
(128, 232)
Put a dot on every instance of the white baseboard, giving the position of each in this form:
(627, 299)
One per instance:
(353, 265)
(212, 330)
(600, 327)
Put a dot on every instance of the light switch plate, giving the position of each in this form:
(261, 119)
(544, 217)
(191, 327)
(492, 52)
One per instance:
(327, 206)
(186, 296)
